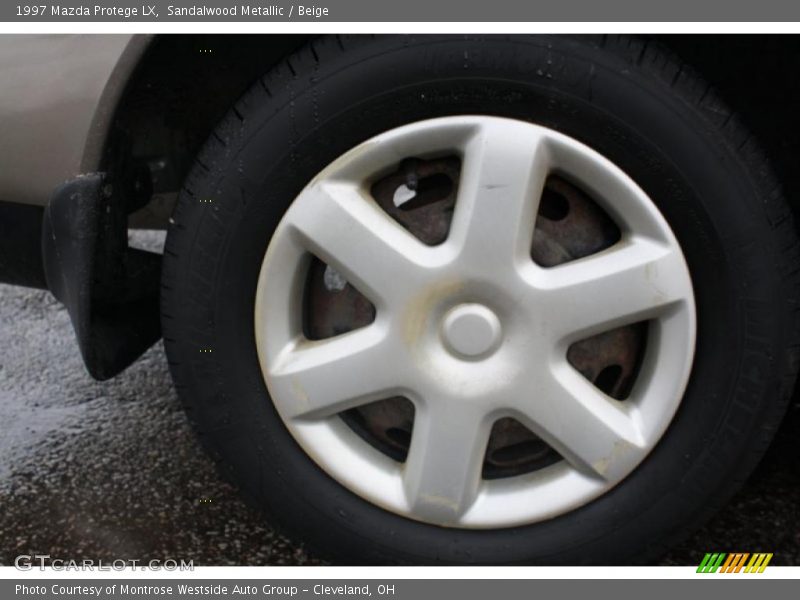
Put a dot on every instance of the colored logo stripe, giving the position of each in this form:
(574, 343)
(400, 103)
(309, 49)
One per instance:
(758, 563)
(734, 562)
(711, 562)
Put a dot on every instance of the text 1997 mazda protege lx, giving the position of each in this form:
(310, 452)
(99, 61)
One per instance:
(434, 299)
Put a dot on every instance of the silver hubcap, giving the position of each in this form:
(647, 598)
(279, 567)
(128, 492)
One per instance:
(472, 330)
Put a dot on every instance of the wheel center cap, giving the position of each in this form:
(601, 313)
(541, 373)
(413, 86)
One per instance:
(471, 330)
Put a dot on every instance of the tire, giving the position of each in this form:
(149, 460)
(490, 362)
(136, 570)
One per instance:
(627, 100)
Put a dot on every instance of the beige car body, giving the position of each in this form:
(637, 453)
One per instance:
(58, 97)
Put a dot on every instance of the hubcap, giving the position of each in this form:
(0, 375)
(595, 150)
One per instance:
(439, 285)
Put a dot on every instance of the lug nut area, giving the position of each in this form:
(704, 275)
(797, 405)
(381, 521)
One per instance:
(471, 331)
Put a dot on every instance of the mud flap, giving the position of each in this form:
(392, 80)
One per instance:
(111, 291)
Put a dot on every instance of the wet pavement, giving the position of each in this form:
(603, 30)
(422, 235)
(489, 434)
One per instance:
(112, 470)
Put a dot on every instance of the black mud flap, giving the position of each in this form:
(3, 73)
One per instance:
(111, 291)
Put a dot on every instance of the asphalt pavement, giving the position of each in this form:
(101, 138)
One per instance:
(112, 470)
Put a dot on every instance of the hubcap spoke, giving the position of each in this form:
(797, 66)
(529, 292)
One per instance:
(352, 234)
(314, 380)
(502, 181)
(590, 430)
(443, 468)
(639, 281)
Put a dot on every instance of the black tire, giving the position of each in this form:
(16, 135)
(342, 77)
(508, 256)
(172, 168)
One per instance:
(627, 99)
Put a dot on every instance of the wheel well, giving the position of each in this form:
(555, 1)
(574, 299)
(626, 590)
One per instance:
(181, 88)
(185, 83)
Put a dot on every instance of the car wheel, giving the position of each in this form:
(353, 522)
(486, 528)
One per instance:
(482, 300)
